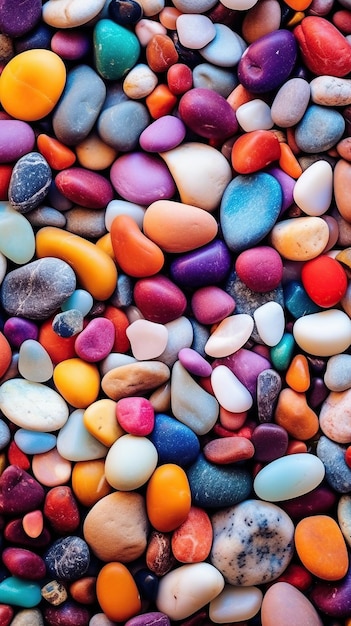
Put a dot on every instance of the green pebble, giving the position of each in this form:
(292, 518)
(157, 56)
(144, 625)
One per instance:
(19, 592)
(281, 353)
(116, 49)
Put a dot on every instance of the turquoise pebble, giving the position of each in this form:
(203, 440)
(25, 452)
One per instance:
(116, 49)
(17, 240)
(297, 301)
(80, 300)
(246, 198)
(319, 130)
(33, 442)
(281, 354)
(19, 592)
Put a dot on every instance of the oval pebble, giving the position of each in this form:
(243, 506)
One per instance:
(309, 332)
(286, 602)
(289, 477)
(130, 462)
(234, 604)
(314, 188)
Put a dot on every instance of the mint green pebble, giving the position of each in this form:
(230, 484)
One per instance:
(19, 592)
(116, 49)
(17, 239)
(281, 354)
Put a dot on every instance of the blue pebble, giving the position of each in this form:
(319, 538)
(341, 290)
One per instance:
(337, 472)
(123, 294)
(38, 37)
(175, 442)
(215, 486)
(80, 300)
(320, 129)
(297, 301)
(5, 435)
(249, 208)
(201, 335)
(33, 442)
(147, 583)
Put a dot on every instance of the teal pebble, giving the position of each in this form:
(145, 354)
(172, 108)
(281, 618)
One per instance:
(116, 49)
(249, 209)
(297, 301)
(33, 442)
(19, 592)
(281, 354)
(80, 300)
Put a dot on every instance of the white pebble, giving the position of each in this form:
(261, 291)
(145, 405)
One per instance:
(225, 49)
(230, 335)
(239, 5)
(139, 82)
(195, 31)
(70, 13)
(270, 322)
(254, 115)
(323, 334)
(147, 339)
(122, 207)
(130, 462)
(145, 30)
(34, 363)
(3, 267)
(188, 589)
(331, 91)
(235, 604)
(231, 394)
(313, 190)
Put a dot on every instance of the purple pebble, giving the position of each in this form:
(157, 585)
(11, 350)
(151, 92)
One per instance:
(17, 138)
(204, 266)
(208, 114)
(142, 178)
(194, 363)
(270, 442)
(70, 45)
(211, 304)
(163, 134)
(18, 329)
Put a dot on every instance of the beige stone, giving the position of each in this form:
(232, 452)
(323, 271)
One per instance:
(134, 379)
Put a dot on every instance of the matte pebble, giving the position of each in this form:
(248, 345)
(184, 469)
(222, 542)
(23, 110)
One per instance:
(217, 486)
(337, 472)
(75, 443)
(192, 405)
(320, 535)
(285, 602)
(337, 375)
(130, 462)
(293, 475)
(175, 442)
(12, 220)
(17, 393)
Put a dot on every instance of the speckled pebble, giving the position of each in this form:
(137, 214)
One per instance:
(30, 181)
(337, 375)
(67, 558)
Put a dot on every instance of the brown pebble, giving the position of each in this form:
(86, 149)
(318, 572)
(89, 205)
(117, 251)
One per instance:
(134, 379)
(54, 593)
(159, 557)
(263, 18)
(344, 148)
(161, 53)
(83, 590)
(228, 450)
(88, 223)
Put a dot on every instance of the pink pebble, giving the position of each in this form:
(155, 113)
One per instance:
(261, 268)
(142, 178)
(211, 305)
(70, 45)
(135, 415)
(163, 134)
(84, 187)
(194, 362)
(96, 341)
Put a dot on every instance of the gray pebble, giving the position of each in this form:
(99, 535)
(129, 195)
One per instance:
(215, 486)
(337, 375)
(87, 223)
(319, 129)
(337, 472)
(201, 335)
(68, 323)
(5, 435)
(46, 216)
(30, 181)
(121, 125)
(269, 385)
(123, 294)
(28, 617)
(208, 76)
(290, 102)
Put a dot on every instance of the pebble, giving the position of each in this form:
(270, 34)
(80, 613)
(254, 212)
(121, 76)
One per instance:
(164, 134)
(230, 335)
(22, 140)
(300, 240)
(291, 102)
(9, 246)
(225, 49)
(192, 540)
(130, 462)
(195, 31)
(235, 605)
(309, 332)
(168, 497)
(128, 603)
(289, 477)
(217, 486)
(231, 394)
(29, 183)
(260, 268)
(254, 115)
(330, 125)
(120, 126)
(132, 379)
(154, 184)
(333, 597)
(207, 113)
(175, 442)
(337, 472)
(207, 75)
(337, 375)
(270, 322)
(284, 601)
(333, 417)
(75, 443)
(159, 299)
(34, 363)
(323, 48)
(320, 535)
(239, 534)
(314, 188)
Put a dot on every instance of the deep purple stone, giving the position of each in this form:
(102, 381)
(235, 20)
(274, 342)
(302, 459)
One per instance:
(333, 598)
(18, 329)
(208, 265)
(317, 392)
(66, 614)
(18, 18)
(270, 442)
(316, 502)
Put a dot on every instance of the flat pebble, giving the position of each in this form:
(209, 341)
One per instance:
(294, 475)
(235, 605)
(215, 486)
(284, 601)
(230, 335)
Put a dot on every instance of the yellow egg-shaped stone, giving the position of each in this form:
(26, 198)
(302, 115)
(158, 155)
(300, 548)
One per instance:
(32, 83)
(89, 483)
(101, 421)
(77, 381)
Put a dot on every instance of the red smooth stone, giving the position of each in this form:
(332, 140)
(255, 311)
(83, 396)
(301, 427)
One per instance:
(17, 457)
(136, 415)
(61, 510)
(159, 299)
(161, 53)
(324, 280)
(58, 348)
(121, 323)
(228, 450)
(24, 563)
(179, 78)
(15, 534)
(6, 614)
(255, 150)
(84, 187)
(5, 175)
(324, 49)
(342, 20)
(298, 576)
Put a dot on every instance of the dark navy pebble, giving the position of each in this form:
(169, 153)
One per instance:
(67, 558)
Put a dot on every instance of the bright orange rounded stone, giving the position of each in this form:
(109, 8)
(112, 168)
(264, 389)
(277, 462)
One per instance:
(56, 153)
(117, 592)
(294, 414)
(88, 481)
(77, 381)
(255, 150)
(31, 84)
(321, 547)
(298, 374)
(135, 253)
(168, 497)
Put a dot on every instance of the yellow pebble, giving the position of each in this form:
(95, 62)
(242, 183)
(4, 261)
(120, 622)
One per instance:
(101, 421)
(32, 83)
(77, 381)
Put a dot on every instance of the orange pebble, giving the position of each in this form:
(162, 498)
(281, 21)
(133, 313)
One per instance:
(240, 95)
(296, 447)
(231, 421)
(33, 523)
(288, 162)
(83, 590)
(56, 153)
(5, 354)
(298, 5)
(135, 254)
(321, 547)
(105, 244)
(168, 497)
(168, 17)
(77, 381)
(293, 413)
(88, 481)
(161, 101)
(255, 150)
(121, 323)
(117, 592)
(298, 374)
(290, 137)
(58, 348)
(192, 541)
(161, 53)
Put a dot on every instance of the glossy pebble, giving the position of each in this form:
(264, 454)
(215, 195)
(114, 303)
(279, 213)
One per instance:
(231, 334)
(314, 188)
(122, 470)
(75, 443)
(270, 322)
(34, 362)
(124, 605)
(66, 376)
(168, 497)
(320, 535)
(300, 240)
(235, 605)
(283, 599)
(293, 475)
(309, 332)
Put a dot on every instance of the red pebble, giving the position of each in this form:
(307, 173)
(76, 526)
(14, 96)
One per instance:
(33, 523)
(61, 510)
(5, 354)
(6, 614)
(179, 78)
(161, 53)
(121, 323)
(17, 457)
(297, 576)
(348, 456)
(5, 175)
(15, 534)
(58, 348)
(84, 187)
(135, 415)
(159, 299)
(229, 450)
(231, 421)
(24, 563)
(191, 541)
(342, 20)
(255, 150)
(324, 49)
(325, 280)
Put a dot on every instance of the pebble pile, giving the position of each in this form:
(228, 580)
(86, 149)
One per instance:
(175, 312)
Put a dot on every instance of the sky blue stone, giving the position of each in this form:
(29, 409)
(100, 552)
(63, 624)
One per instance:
(249, 209)
(215, 486)
(320, 129)
(81, 300)
(33, 442)
(175, 442)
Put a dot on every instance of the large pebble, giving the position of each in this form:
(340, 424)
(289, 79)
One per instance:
(121, 126)
(323, 334)
(30, 182)
(321, 547)
(334, 417)
(175, 442)
(330, 91)
(319, 129)
(300, 239)
(284, 602)
(216, 486)
(208, 114)
(253, 542)
(130, 462)
(133, 379)
(192, 405)
(289, 477)
(154, 181)
(116, 49)
(67, 558)
(323, 47)
(67, 14)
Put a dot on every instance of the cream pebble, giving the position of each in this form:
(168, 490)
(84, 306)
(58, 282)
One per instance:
(201, 174)
(147, 339)
(313, 190)
(231, 394)
(195, 31)
(187, 589)
(254, 115)
(300, 239)
(335, 416)
(323, 334)
(70, 13)
(289, 477)
(32, 405)
(331, 91)
(139, 82)
(75, 443)
(230, 335)
(145, 30)
(270, 322)
(239, 5)
(235, 604)
(130, 462)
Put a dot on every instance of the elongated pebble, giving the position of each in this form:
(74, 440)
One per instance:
(230, 335)
(229, 391)
(12, 221)
(290, 102)
(323, 334)
(75, 443)
(289, 477)
(134, 378)
(192, 405)
(45, 411)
